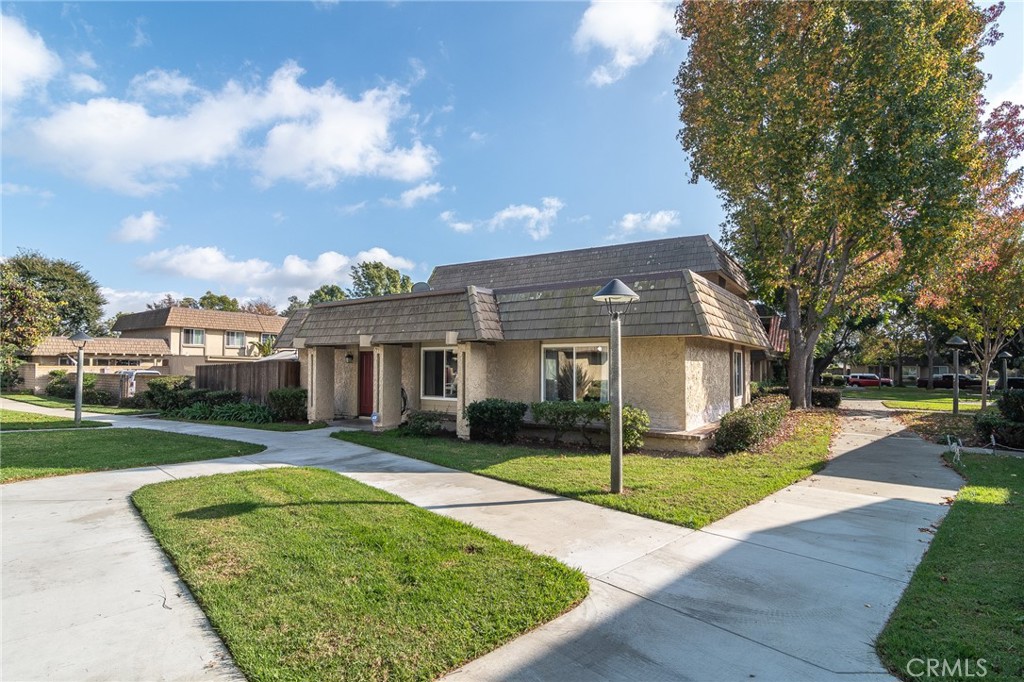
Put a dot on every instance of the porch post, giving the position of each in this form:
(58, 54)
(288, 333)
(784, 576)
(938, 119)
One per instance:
(387, 386)
(321, 383)
(472, 382)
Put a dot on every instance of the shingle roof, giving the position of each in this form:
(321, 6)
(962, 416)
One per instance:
(404, 318)
(698, 253)
(200, 319)
(726, 316)
(60, 345)
(286, 339)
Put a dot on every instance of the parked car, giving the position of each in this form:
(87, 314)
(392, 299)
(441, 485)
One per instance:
(886, 381)
(863, 380)
(946, 381)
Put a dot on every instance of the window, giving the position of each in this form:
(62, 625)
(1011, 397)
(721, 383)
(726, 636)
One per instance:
(234, 339)
(575, 373)
(440, 374)
(268, 337)
(737, 373)
(193, 337)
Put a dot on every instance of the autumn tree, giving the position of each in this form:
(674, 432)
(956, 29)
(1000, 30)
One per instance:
(259, 306)
(980, 291)
(212, 301)
(67, 285)
(840, 136)
(26, 314)
(168, 301)
(326, 293)
(373, 278)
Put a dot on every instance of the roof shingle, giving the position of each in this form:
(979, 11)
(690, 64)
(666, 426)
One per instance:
(200, 319)
(60, 345)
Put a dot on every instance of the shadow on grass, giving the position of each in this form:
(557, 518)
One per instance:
(222, 511)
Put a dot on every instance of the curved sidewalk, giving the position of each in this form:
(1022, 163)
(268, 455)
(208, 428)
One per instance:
(795, 587)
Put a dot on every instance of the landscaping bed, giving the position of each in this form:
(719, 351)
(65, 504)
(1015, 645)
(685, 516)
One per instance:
(965, 601)
(690, 491)
(270, 426)
(69, 404)
(35, 455)
(12, 420)
(309, 575)
(935, 426)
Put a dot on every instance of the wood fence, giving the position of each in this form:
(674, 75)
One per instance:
(254, 379)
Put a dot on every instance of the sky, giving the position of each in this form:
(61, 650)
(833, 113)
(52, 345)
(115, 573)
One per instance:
(261, 149)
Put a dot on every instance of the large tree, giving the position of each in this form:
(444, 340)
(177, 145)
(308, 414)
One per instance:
(259, 306)
(841, 137)
(65, 284)
(326, 293)
(980, 293)
(373, 278)
(212, 301)
(26, 315)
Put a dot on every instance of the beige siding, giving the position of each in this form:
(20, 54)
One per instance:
(708, 381)
(411, 375)
(653, 378)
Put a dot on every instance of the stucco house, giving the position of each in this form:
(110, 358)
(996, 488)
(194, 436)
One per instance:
(196, 336)
(527, 329)
(100, 356)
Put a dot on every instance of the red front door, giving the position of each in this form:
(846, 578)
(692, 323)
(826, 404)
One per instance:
(365, 383)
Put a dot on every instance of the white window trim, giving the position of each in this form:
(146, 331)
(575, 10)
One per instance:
(453, 351)
(193, 329)
(603, 347)
(738, 390)
(267, 335)
(233, 345)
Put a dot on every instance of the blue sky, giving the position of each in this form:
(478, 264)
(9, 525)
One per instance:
(260, 149)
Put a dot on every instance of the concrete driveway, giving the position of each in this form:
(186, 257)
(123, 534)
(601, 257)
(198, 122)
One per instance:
(795, 587)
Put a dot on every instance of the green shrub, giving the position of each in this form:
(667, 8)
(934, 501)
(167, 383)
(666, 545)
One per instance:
(635, 425)
(162, 392)
(288, 404)
(254, 413)
(838, 380)
(563, 416)
(744, 428)
(826, 379)
(62, 385)
(1011, 404)
(223, 397)
(1007, 432)
(10, 378)
(826, 397)
(138, 401)
(94, 396)
(422, 423)
(495, 419)
(196, 412)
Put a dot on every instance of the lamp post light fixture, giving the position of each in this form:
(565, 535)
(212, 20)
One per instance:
(617, 297)
(956, 343)
(1003, 378)
(79, 339)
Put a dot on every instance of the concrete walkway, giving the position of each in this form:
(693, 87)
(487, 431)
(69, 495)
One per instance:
(795, 587)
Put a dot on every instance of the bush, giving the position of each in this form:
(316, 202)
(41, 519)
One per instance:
(1011, 404)
(635, 425)
(562, 416)
(288, 404)
(252, 413)
(223, 397)
(744, 428)
(138, 401)
(93, 396)
(826, 397)
(1007, 432)
(838, 380)
(423, 423)
(196, 412)
(162, 392)
(10, 378)
(62, 385)
(826, 379)
(495, 419)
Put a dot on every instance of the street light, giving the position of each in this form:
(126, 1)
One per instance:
(956, 343)
(617, 296)
(1003, 379)
(79, 339)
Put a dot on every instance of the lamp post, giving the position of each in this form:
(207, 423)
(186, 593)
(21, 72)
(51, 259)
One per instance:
(956, 343)
(1003, 379)
(617, 296)
(79, 339)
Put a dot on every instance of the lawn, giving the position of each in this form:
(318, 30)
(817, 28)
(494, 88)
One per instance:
(12, 420)
(309, 575)
(938, 399)
(63, 403)
(687, 491)
(272, 426)
(35, 455)
(966, 598)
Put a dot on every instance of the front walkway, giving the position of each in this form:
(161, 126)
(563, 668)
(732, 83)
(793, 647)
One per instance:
(795, 587)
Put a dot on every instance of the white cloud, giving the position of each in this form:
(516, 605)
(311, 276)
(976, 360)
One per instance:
(131, 301)
(631, 31)
(316, 136)
(83, 82)
(160, 83)
(453, 222)
(382, 255)
(25, 61)
(477, 137)
(139, 37)
(536, 221)
(10, 189)
(139, 228)
(657, 222)
(85, 60)
(421, 192)
(352, 209)
(279, 217)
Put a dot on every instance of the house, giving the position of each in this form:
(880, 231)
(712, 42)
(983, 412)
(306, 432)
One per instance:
(100, 356)
(197, 336)
(527, 329)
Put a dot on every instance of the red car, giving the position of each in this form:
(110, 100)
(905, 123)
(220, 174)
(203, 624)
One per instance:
(864, 380)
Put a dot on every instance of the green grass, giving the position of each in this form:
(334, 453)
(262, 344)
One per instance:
(937, 399)
(966, 598)
(308, 575)
(687, 491)
(35, 455)
(272, 426)
(12, 420)
(64, 403)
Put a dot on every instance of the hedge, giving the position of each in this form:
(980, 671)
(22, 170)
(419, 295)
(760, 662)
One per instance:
(162, 392)
(1007, 432)
(1011, 404)
(495, 419)
(744, 428)
(288, 404)
(820, 396)
(423, 423)
(563, 416)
